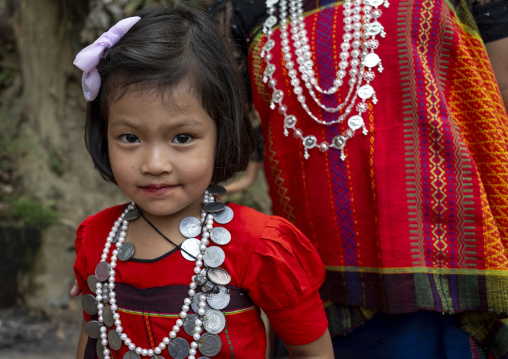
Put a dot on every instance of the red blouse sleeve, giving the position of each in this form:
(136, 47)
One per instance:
(283, 278)
(80, 270)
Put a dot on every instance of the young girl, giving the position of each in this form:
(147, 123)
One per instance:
(176, 273)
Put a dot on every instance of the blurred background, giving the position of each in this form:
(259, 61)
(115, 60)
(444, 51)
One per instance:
(48, 185)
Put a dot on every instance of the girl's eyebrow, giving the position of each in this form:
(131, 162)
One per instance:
(185, 122)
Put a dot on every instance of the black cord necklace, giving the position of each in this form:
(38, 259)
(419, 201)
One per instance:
(163, 236)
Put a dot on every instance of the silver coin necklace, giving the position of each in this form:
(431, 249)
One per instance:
(361, 26)
(208, 275)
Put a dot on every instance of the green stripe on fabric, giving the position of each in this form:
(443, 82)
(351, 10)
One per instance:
(424, 299)
(468, 292)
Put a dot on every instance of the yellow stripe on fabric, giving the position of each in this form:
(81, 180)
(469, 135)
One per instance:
(162, 315)
(411, 270)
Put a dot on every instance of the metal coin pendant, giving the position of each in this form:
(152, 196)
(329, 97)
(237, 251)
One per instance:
(102, 271)
(214, 256)
(374, 28)
(131, 354)
(190, 246)
(99, 348)
(126, 251)
(375, 3)
(114, 340)
(189, 324)
(371, 60)
(224, 216)
(365, 92)
(219, 276)
(214, 321)
(132, 214)
(214, 207)
(195, 303)
(89, 304)
(209, 344)
(92, 281)
(107, 315)
(218, 300)
(178, 348)
(190, 227)
(220, 235)
(93, 329)
(216, 189)
(355, 122)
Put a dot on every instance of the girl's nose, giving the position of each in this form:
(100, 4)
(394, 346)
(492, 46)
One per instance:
(156, 161)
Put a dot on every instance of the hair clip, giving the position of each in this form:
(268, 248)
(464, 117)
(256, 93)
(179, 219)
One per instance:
(88, 58)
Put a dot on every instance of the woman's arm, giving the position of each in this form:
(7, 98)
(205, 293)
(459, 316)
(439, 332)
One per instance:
(318, 349)
(83, 338)
(498, 55)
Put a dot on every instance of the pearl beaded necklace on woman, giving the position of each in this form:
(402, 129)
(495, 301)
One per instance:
(122, 225)
(358, 29)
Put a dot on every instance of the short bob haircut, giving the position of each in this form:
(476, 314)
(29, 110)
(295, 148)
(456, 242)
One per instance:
(165, 48)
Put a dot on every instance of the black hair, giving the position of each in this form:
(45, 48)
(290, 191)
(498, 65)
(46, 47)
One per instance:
(163, 49)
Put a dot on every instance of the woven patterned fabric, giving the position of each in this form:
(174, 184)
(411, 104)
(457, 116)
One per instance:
(415, 218)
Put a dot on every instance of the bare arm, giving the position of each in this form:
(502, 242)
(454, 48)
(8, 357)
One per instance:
(83, 338)
(318, 349)
(498, 54)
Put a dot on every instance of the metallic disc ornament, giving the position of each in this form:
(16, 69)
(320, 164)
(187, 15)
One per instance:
(219, 276)
(99, 348)
(220, 235)
(189, 248)
(126, 251)
(107, 316)
(189, 324)
(131, 354)
(218, 300)
(216, 189)
(209, 344)
(371, 60)
(365, 92)
(214, 321)
(355, 122)
(375, 3)
(214, 256)
(224, 216)
(214, 207)
(89, 304)
(92, 281)
(102, 271)
(114, 340)
(178, 348)
(190, 227)
(93, 329)
(132, 214)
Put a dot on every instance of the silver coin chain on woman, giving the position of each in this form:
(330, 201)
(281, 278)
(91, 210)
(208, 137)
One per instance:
(361, 26)
(207, 304)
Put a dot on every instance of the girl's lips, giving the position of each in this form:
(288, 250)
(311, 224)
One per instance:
(157, 189)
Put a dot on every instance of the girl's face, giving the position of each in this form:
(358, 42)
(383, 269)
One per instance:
(162, 151)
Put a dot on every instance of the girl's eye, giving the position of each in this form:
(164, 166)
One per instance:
(182, 139)
(129, 138)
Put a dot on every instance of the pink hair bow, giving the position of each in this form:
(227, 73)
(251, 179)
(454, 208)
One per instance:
(88, 58)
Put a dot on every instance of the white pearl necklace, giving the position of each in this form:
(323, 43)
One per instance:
(361, 26)
(122, 225)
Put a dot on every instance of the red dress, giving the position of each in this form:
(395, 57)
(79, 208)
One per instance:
(272, 264)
